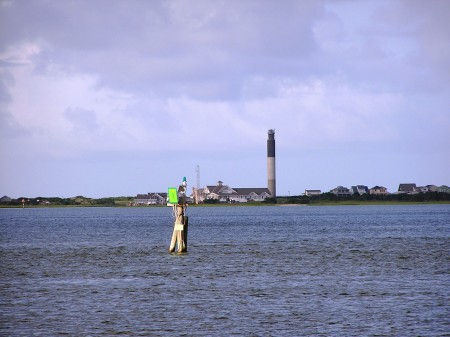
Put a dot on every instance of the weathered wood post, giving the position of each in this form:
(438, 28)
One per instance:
(177, 199)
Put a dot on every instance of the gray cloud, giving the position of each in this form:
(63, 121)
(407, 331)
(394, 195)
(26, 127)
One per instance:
(212, 49)
(170, 48)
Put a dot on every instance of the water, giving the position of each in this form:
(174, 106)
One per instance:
(249, 271)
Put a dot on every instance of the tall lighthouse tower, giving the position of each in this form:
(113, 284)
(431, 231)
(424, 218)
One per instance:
(271, 177)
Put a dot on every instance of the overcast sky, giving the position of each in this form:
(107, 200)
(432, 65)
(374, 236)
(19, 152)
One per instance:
(110, 98)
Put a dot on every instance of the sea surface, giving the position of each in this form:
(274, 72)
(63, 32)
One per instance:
(249, 271)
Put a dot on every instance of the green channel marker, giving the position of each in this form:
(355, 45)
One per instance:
(173, 195)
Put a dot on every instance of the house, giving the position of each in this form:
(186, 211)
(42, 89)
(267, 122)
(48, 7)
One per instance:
(341, 191)
(359, 189)
(310, 193)
(158, 198)
(425, 189)
(432, 188)
(443, 189)
(150, 199)
(5, 199)
(142, 199)
(378, 190)
(227, 194)
(251, 193)
(421, 189)
(406, 188)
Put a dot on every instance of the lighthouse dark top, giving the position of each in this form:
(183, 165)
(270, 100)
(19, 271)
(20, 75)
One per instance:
(271, 180)
(271, 143)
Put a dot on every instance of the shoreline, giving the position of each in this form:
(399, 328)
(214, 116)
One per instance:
(313, 204)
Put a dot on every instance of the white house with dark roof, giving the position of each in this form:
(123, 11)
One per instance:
(378, 190)
(443, 189)
(359, 189)
(309, 193)
(341, 191)
(425, 189)
(150, 199)
(406, 188)
(5, 199)
(421, 189)
(431, 188)
(227, 194)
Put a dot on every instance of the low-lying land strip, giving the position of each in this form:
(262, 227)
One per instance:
(323, 199)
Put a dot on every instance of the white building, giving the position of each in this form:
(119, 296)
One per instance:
(150, 199)
(309, 193)
(378, 190)
(341, 191)
(359, 189)
(227, 194)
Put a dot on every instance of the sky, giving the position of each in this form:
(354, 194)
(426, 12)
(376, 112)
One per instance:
(115, 98)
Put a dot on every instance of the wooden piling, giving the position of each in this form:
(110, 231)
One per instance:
(180, 229)
(185, 237)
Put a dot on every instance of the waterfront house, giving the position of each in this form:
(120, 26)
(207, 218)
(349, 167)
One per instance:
(426, 189)
(406, 188)
(158, 198)
(5, 199)
(310, 193)
(359, 189)
(378, 190)
(227, 194)
(150, 199)
(341, 191)
(432, 188)
(141, 199)
(421, 189)
(443, 189)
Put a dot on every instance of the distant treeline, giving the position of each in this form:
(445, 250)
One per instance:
(75, 201)
(331, 197)
(300, 199)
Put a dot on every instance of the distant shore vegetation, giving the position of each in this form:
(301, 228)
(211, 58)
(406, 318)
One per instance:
(74, 201)
(316, 200)
(331, 198)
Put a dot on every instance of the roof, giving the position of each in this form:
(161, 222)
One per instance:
(225, 190)
(164, 195)
(360, 188)
(248, 190)
(406, 187)
(218, 188)
(151, 195)
(143, 196)
(340, 188)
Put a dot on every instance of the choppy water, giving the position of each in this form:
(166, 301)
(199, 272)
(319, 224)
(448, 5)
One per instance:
(249, 271)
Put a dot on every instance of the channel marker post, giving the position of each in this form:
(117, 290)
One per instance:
(177, 199)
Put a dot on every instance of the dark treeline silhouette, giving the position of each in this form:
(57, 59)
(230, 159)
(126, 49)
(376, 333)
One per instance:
(330, 197)
(299, 199)
(56, 201)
